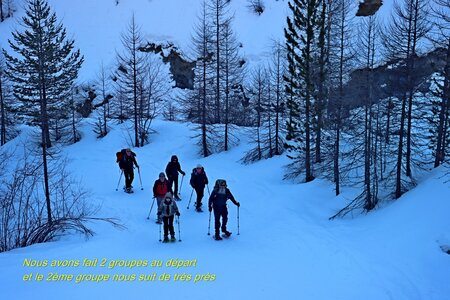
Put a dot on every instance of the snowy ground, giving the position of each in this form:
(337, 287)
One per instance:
(287, 247)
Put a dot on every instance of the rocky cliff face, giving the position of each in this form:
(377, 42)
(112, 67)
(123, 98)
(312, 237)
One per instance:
(182, 70)
(390, 79)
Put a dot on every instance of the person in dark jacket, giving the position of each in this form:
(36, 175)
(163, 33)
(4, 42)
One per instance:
(126, 165)
(172, 169)
(198, 182)
(218, 202)
(167, 210)
(160, 190)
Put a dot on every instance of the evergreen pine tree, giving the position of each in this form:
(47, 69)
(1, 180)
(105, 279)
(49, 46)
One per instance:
(130, 74)
(301, 36)
(42, 70)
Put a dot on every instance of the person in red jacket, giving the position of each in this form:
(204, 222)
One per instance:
(160, 189)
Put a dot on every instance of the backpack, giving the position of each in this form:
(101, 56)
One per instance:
(119, 156)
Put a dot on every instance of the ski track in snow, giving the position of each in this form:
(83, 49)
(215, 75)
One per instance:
(287, 247)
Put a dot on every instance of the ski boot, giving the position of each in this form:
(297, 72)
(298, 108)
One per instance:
(198, 208)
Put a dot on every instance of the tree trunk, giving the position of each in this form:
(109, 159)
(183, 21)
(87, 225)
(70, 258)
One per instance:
(309, 87)
(204, 140)
(2, 17)
(321, 95)
(3, 115)
(388, 121)
(227, 93)
(443, 113)
(258, 116)
(217, 65)
(336, 160)
(410, 80)
(136, 129)
(44, 139)
(74, 129)
(105, 104)
(398, 183)
(339, 100)
(269, 118)
(277, 107)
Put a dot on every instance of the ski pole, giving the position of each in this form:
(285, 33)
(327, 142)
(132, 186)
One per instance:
(160, 232)
(148, 217)
(120, 177)
(179, 232)
(238, 218)
(208, 190)
(209, 224)
(190, 198)
(181, 185)
(140, 180)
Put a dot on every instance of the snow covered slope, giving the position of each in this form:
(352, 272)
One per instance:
(287, 247)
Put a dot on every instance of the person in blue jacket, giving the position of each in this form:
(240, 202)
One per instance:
(218, 202)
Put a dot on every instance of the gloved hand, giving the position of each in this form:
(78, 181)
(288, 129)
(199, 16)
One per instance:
(238, 204)
(182, 173)
(210, 209)
(177, 213)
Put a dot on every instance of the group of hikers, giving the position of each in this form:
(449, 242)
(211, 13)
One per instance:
(165, 192)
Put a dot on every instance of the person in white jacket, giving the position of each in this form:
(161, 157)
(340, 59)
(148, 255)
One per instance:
(167, 210)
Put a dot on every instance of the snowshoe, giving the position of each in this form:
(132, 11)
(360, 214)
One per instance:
(129, 190)
(217, 237)
(226, 233)
(177, 198)
(158, 222)
(198, 209)
(166, 239)
(173, 239)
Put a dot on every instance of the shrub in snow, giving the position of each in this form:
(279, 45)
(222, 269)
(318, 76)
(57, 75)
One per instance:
(23, 216)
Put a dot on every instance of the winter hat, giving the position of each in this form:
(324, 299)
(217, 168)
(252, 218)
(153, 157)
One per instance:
(174, 158)
(162, 175)
(199, 166)
(168, 195)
